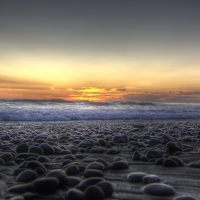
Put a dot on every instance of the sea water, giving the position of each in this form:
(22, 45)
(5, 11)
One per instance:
(59, 110)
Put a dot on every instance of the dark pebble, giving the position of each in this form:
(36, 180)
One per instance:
(74, 194)
(94, 193)
(26, 176)
(136, 177)
(107, 188)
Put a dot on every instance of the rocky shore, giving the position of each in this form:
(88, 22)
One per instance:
(94, 160)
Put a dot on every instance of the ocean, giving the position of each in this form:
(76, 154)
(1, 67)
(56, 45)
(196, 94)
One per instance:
(60, 110)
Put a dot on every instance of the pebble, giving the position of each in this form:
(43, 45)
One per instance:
(47, 148)
(159, 189)
(119, 165)
(60, 175)
(2, 162)
(74, 194)
(95, 165)
(22, 148)
(120, 137)
(136, 177)
(73, 181)
(157, 153)
(26, 176)
(185, 197)
(20, 188)
(150, 179)
(107, 188)
(94, 193)
(93, 173)
(35, 164)
(72, 170)
(43, 184)
(36, 150)
(170, 163)
(17, 198)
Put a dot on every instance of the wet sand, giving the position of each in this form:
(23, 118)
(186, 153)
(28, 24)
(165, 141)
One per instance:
(100, 160)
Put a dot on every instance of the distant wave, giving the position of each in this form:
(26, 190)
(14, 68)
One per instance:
(61, 110)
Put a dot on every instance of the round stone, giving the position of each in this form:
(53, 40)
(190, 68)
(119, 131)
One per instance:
(94, 192)
(104, 162)
(185, 197)
(74, 194)
(73, 181)
(60, 175)
(26, 176)
(123, 137)
(154, 141)
(22, 148)
(47, 148)
(107, 188)
(72, 170)
(6, 157)
(20, 188)
(35, 164)
(93, 173)
(95, 165)
(136, 155)
(169, 163)
(158, 189)
(36, 149)
(17, 198)
(43, 159)
(32, 196)
(48, 183)
(157, 153)
(2, 162)
(135, 177)
(150, 179)
(119, 165)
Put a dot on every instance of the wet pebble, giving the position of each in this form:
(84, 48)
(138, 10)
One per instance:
(136, 177)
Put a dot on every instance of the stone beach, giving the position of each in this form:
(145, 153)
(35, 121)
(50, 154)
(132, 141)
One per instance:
(96, 160)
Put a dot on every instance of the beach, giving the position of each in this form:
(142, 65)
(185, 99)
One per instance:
(100, 159)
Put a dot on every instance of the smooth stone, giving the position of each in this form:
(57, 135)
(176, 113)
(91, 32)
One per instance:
(94, 193)
(72, 170)
(93, 173)
(6, 157)
(22, 148)
(158, 189)
(185, 197)
(195, 165)
(177, 160)
(88, 182)
(168, 137)
(36, 150)
(170, 163)
(60, 175)
(95, 165)
(39, 170)
(66, 162)
(20, 188)
(5, 137)
(174, 146)
(143, 158)
(150, 179)
(74, 194)
(73, 181)
(102, 142)
(43, 159)
(79, 156)
(47, 148)
(35, 164)
(136, 155)
(136, 177)
(119, 165)
(107, 188)
(25, 155)
(10, 163)
(159, 161)
(120, 137)
(104, 162)
(26, 176)
(17, 198)
(157, 153)
(112, 151)
(154, 141)
(97, 150)
(2, 162)
(32, 196)
(69, 156)
(48, 183)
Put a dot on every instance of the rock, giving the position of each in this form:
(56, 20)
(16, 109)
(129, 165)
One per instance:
(22, 148)
(157, 153)
(72, 170)
(32, 196)
(47, 148)
(195, 165)
(74, 194)
(97, 150)
(43, 159)
(120, 137)
(150, 179)
(17, 198)
(136, 155)
(60, 175)
(174, 146)
(112, 151)
(6, 157)
(143, 158)
(177, 160)
(73, 181)
(2, 162)
(169, 163)
(136, 177)
(107, 188)
(10, 163)
(104, 162)
(93, 173)
(20, 188)
(159, 189)
(88, 182)
(43, 184)
(39, 170)
(154, 141)
(159, 161)
(69, 157)
(94, 192)
(5, 137)
(25, 155)
(35, 164)
(185, 197)
(119, 165)
(26, 176)
(95, 165)
(36, 149)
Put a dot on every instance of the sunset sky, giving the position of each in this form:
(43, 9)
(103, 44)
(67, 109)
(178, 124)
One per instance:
(119, 50)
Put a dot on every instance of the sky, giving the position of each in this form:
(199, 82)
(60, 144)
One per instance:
(104, 50)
